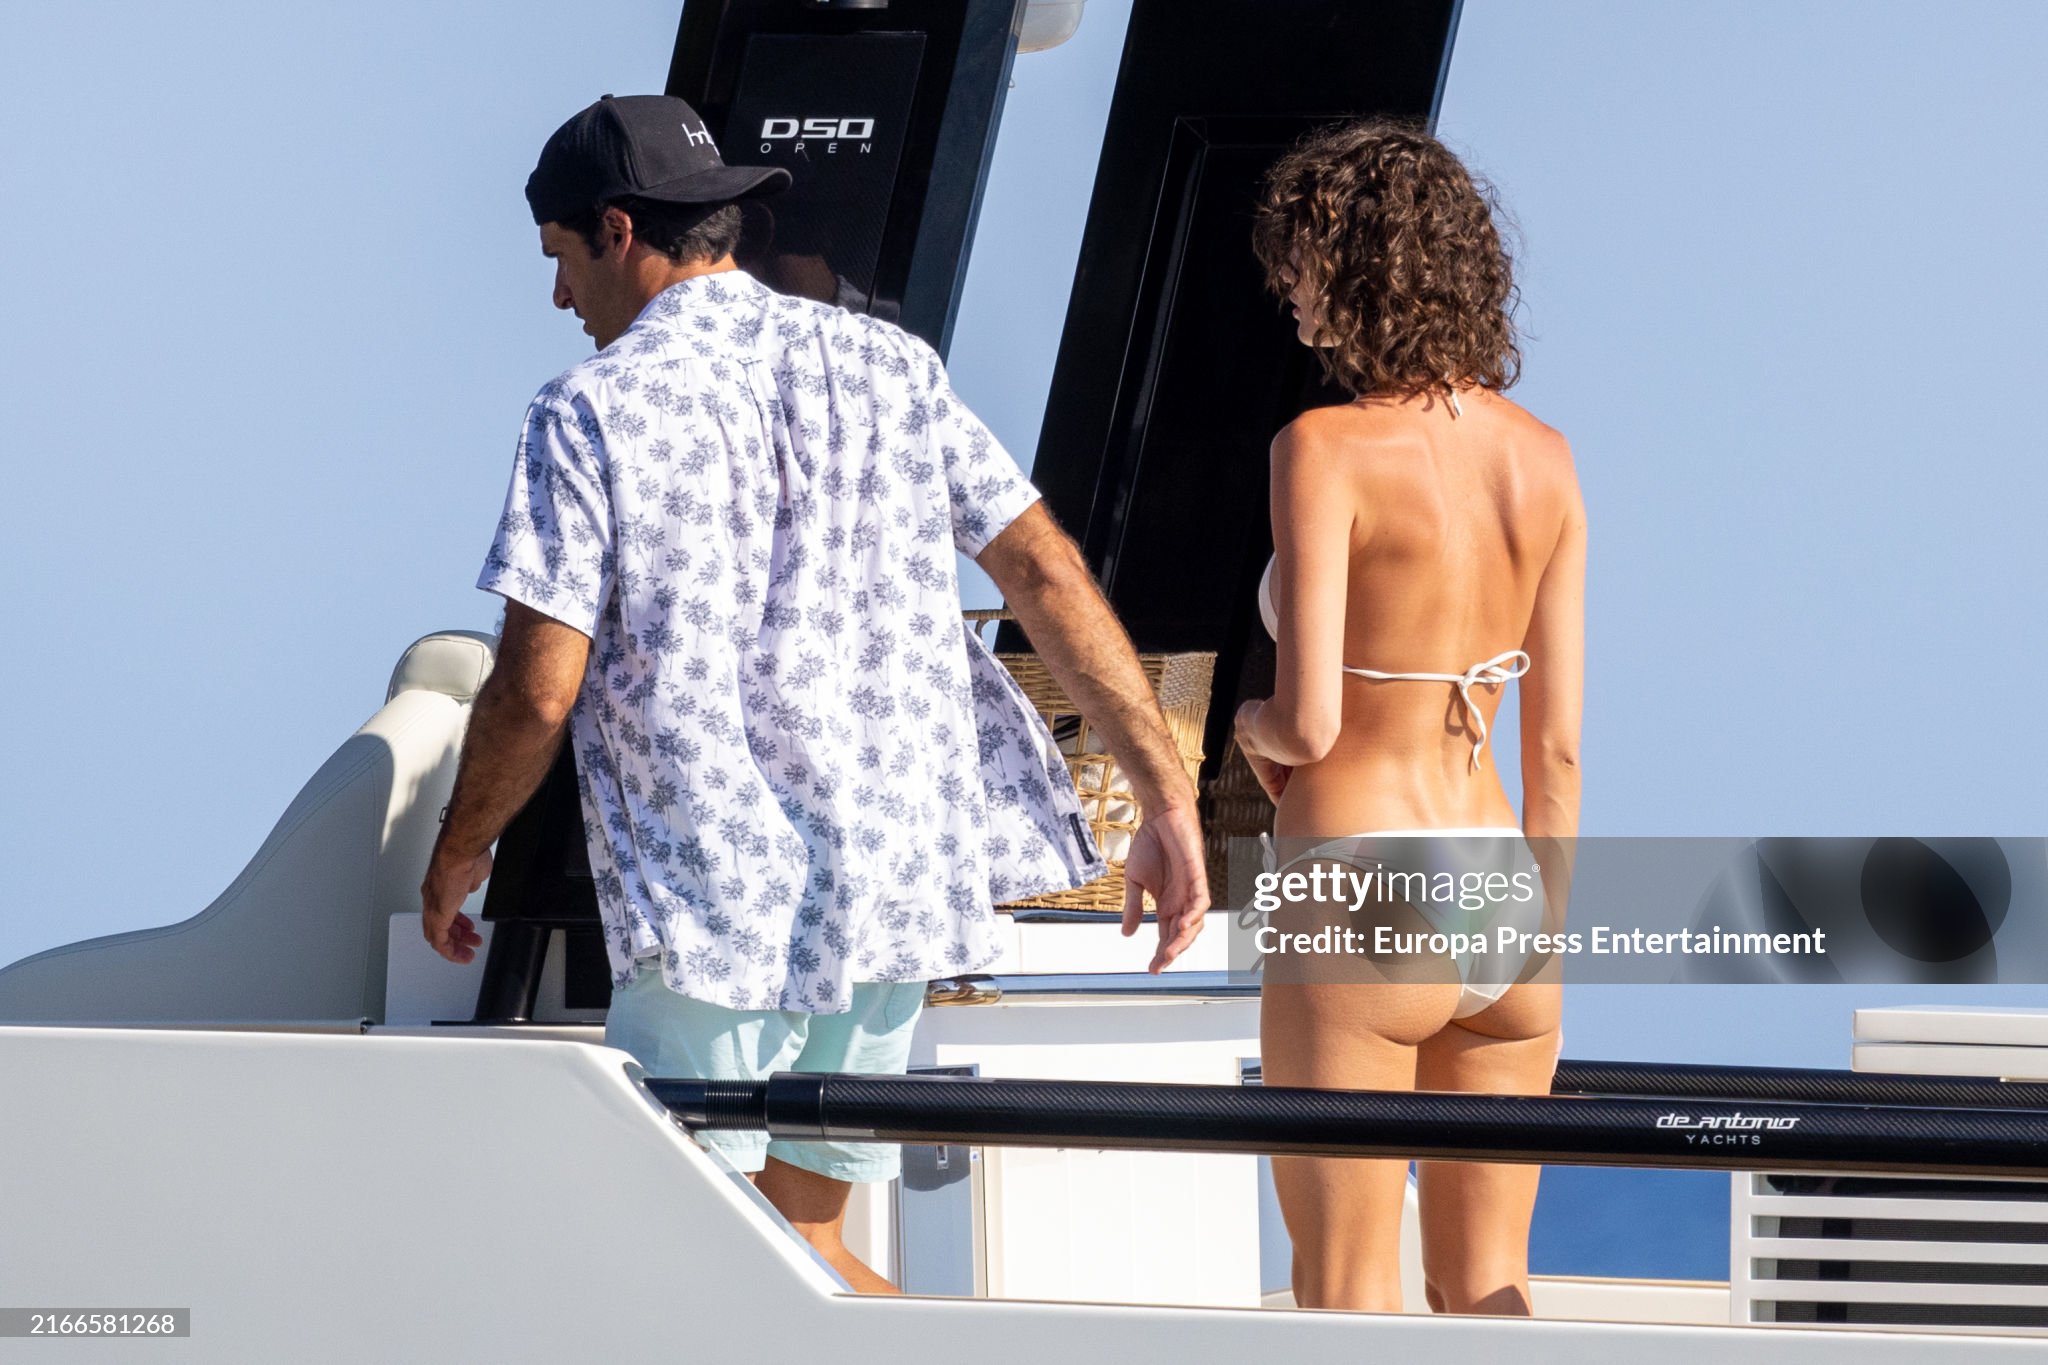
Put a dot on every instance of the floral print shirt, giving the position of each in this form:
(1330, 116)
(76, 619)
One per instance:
(799, 769)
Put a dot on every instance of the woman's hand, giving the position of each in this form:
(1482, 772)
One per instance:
(1272, 777)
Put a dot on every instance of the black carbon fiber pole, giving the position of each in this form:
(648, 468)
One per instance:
(1551, 1130)
(1797, 1084)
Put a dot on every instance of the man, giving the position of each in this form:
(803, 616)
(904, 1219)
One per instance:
(728, 563)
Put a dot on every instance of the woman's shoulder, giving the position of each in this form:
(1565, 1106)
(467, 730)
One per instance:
(1319, 436)
(1538, 452)
(1526, 421)
(1317, 425)
(1342, 430)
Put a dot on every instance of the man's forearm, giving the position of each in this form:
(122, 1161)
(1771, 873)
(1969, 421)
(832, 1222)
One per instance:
(1048, 587)
(505, 755)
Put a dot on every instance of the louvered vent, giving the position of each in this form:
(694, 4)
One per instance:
(1872, 1251)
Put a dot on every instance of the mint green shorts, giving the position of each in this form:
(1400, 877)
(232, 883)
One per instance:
(670, 1034)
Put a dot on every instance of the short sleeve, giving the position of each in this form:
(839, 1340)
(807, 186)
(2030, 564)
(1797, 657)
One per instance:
(987, 489)
(553, 550)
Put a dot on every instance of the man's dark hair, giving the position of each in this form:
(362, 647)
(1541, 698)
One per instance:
(681, 232)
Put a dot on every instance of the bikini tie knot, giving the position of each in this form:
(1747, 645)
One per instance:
(1503, 667)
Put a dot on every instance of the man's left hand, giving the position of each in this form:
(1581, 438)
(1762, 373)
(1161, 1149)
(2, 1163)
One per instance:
(450, 880)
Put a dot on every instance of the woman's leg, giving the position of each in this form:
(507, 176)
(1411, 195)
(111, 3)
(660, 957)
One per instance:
(1475, 1215)
(1344, 1214)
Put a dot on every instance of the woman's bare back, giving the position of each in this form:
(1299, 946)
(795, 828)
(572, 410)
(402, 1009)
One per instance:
(1453, 523)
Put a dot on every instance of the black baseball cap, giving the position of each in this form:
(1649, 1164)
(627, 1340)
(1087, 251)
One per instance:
(648, 146)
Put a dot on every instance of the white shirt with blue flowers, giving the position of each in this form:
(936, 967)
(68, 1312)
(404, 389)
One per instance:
(799, 771)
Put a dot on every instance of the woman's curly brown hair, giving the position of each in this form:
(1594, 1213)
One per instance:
(1398, 240)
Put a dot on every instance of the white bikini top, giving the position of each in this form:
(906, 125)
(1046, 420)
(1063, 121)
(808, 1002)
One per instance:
(1500, 668)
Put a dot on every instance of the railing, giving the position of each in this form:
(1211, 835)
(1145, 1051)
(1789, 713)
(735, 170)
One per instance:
(988, 990)
(1602, 1130)
(1755, 1084)
(1798, 1084)
(1661, 1079)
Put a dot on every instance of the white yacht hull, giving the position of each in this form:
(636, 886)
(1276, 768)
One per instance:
(372, 1198)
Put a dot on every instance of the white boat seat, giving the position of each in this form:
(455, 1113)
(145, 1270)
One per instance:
(302, 934)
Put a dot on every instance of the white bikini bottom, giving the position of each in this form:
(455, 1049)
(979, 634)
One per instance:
(1495, 900)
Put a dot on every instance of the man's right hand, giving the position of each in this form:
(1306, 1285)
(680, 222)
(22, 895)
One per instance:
(1165, 858)
(1081, 643)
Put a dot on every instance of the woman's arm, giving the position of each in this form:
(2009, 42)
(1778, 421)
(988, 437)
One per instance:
(1554, 687)
(1313, 518)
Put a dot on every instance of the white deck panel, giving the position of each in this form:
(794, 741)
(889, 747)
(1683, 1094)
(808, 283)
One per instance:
(1970, 1024)
(373, 1198)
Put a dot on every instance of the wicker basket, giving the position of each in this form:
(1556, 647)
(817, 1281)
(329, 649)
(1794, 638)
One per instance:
(1181, 682)
(1235, 812)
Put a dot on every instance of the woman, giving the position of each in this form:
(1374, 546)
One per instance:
(1430, 544)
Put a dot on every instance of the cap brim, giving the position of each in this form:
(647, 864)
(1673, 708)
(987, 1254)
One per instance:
(719, 185)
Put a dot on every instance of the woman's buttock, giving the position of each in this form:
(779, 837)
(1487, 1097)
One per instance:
(1461, 908)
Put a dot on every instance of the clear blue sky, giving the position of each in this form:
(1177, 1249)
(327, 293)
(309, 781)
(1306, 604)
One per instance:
(274, 308)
